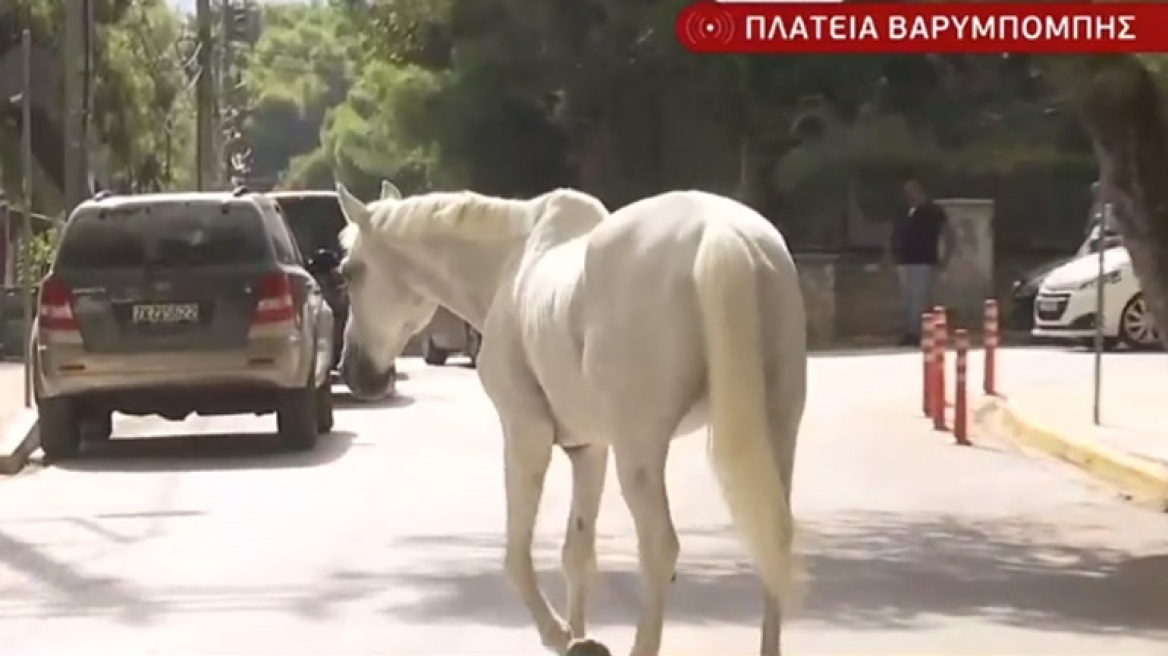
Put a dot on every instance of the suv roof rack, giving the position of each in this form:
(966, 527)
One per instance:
(240, 191)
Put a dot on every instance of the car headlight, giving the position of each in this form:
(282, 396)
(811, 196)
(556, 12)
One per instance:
(1109, 278)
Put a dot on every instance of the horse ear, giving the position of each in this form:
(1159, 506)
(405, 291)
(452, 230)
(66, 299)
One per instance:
(390, 191)
(355, 211)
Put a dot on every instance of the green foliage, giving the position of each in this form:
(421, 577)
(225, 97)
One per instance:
(140, 100)
(142, 113)
(41, 249)
(516, 96)
(383, 129)
(301, 67)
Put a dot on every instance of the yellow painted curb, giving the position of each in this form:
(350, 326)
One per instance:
(1143, 478)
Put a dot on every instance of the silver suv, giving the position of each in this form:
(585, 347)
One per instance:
(173, 304)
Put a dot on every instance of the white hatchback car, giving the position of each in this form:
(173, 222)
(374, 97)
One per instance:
(1065, 307)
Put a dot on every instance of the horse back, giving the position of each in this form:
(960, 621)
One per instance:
(638, 295)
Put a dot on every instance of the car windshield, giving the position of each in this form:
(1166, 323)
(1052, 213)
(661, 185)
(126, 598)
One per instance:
(173, 234)
(316, 221)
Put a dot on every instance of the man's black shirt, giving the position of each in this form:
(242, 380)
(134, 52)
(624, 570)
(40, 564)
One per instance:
(916, 236)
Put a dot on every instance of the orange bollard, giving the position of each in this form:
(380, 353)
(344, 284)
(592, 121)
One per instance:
(960, 402)
(992, 330)
(927, 362)
(940, 344)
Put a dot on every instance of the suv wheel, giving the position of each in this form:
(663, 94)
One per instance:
(60, 429)
(296, 418)
(324, 409)
(97, 427)
(433, 354)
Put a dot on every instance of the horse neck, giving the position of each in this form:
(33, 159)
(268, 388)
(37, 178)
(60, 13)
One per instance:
(463, 275)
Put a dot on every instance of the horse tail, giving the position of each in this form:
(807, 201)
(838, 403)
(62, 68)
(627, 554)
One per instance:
(740, 447)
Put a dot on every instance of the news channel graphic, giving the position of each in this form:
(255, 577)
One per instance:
(832, 26)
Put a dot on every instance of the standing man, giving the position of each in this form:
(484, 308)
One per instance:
(921, 245)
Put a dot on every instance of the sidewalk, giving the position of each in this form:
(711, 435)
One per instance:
(16, 421)
(1047, 405)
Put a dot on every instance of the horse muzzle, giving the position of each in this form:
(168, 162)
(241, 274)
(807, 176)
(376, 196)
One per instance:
(365, 380)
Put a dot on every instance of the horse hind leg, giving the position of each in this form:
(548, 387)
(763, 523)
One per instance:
(640, 469)
(528, 451)
(589, 467)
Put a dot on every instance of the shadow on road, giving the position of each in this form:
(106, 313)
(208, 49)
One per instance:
(1089, 350)
(345, 399)
(862, 351)
(202, 452)
(67, 590)
(875, 571)
(866, 572)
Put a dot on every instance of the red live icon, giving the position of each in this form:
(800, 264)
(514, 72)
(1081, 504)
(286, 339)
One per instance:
(705, 24)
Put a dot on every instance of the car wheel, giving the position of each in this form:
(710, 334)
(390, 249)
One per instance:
(60, 429)
(296, 418)
(97, 427)
(1136, 326)
(432, 354)
(324, 409)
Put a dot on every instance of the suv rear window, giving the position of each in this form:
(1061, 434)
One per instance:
(315, 221)
(173, 234)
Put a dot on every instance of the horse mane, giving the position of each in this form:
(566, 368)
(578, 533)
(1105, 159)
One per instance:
(462, 214)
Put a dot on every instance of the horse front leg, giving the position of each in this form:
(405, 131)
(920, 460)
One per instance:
(589, 467)
(528, 451)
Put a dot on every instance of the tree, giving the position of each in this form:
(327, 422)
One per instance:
(1124, 111)
(301, 66)
(140, 109)
(515, 96)
(143, 113)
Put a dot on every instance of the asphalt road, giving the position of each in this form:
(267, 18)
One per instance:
(389, 540)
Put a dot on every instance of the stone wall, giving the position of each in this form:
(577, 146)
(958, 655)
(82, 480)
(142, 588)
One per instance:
(817, 279)
(852, 296)
(969, 278)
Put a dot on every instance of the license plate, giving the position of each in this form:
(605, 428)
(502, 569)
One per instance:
(166, 314)
(1048, 304)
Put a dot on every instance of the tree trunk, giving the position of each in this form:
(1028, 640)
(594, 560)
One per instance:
(1124, 113)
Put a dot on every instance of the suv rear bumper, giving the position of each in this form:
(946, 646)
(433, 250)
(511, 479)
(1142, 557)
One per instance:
(272, 363)
(176, 402)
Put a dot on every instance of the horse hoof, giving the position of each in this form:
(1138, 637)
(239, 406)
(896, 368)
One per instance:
(587, 647)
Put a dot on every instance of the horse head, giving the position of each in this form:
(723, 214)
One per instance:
(385, 310)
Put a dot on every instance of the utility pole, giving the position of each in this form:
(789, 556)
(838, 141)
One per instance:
(226, 17)
(26, 192)
(239, 34)
(93, 170)
(74, 156)
(205, 161)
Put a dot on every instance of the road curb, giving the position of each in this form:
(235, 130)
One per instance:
(1143, 478)
(19, 439)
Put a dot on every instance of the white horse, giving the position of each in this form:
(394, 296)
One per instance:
(600, 330)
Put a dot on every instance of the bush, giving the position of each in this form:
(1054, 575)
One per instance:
(40, 254)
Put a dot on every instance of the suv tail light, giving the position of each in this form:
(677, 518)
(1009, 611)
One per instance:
(276, 304)
(56, 306)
